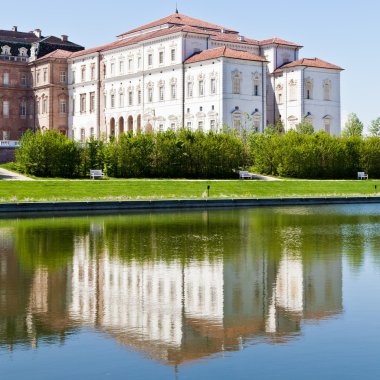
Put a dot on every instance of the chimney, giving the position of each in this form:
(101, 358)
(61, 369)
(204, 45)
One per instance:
(37, 32)
(65, 38)
(14, 29)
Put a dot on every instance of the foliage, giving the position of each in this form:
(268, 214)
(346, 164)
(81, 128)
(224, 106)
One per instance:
(305, 127)
(374, 128)
(353, 126)
(48, 155)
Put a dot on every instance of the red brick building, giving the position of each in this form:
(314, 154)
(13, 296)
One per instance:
(31, 66)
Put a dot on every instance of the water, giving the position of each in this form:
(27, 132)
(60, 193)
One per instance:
(271, 293)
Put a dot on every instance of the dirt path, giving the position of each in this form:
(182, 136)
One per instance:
(6, 175)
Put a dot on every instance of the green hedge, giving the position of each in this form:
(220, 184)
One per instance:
(188, 154)
(182, 154)
(315, 156)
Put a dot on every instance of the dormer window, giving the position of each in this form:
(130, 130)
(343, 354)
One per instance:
(5, 50)
(23, 52)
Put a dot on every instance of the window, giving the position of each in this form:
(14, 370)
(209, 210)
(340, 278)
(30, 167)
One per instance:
(38, 107)
(212, 108)
(212, 125)
(213, 86)
(83, 103)
(161, 127)
(292, 90)
(73, 103)
(161, 58)
(130, 98)
(112, 100)
(44, 106)
(173, 55)
(62, 106)
(82, 135)
(92, 71)
(92, 102)
(130, 64)
(189, 124)
(150, 59)
(6, 50)
(308, 89)
(326, 90)
(279, 93)
(173, 91)
(121, 67)
(236, 82)
(23, 80)
(45, 75)
(139, 97)
(112, 69)
(5, 135)
(121, 99)
(237, 124)
(138, 62)
(92, 132)
(201, 88)
(6, 79)
(190, 89)
(256, 84)
(150, 95)
(73, 73)
(200, 125)
(162, 93)
(83, 73)
(327, 124)
(6, 108)
(62, 76)
(172, 126)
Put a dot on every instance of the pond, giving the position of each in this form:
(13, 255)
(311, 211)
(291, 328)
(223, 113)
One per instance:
(266, 293)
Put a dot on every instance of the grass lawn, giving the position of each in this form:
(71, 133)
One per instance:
(87, 190)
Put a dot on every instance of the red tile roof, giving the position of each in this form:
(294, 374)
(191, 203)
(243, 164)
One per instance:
(278, 41)
(224, 52)
(179, 19)
(57, 54)
(309, 62)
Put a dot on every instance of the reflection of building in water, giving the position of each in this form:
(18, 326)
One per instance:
(184, 310)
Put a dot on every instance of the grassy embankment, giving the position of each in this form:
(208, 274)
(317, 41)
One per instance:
(86, 190)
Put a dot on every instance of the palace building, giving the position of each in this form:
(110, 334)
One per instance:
(172, 73)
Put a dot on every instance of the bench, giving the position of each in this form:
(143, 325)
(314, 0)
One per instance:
(245, 175)
(362, 175)
(96, 174)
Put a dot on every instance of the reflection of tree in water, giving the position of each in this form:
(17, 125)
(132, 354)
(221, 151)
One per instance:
(235, 277)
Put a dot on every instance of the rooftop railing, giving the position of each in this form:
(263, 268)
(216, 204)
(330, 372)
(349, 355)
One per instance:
(9, 144)
(11, 58)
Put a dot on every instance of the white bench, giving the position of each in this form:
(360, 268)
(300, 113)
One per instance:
(96, 174)
(245, 175)
(362, 175)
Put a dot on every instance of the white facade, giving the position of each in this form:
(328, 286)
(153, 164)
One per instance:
(145, 82)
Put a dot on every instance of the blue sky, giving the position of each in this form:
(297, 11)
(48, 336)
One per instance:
(345, 33)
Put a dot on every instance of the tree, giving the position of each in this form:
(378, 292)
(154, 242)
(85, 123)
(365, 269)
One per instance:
(353, 126)
(305, 128)
(374, 128)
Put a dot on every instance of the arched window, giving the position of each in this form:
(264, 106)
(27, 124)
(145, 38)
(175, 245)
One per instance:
(23, 52)
(327, 90)
(236, 82)
(256, 121)
(309, 89)
(292, 90)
